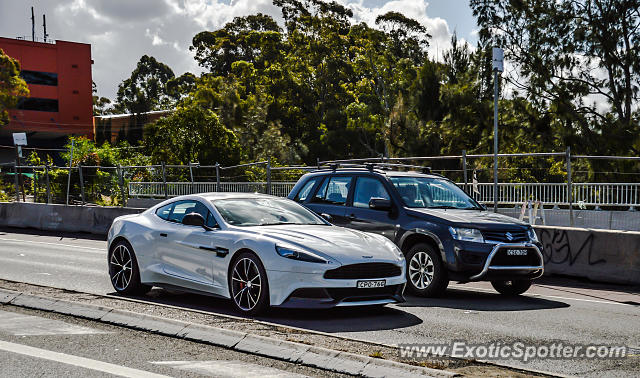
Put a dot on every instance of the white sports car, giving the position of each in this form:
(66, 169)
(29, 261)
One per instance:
(257, 250)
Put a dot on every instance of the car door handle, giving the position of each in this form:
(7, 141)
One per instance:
(352, 217)
(163, 235)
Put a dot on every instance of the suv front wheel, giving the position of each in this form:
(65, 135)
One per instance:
(426, 276)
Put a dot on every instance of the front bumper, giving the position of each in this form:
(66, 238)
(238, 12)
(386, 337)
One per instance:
(493, 271)
(303, 290)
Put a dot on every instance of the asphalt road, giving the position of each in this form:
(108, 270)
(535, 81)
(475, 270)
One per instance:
(40, 344)
(564, 310)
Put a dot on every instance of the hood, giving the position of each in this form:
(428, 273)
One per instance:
(344, 245)
(471, 218)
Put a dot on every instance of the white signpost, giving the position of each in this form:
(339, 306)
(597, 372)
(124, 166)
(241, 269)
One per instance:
(19, 140)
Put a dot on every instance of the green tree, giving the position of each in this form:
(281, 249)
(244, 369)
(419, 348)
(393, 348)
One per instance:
(192, 134)
(12, 86)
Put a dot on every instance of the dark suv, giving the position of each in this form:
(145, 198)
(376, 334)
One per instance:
(444, 233)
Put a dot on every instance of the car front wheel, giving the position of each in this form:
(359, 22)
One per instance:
(513, 287)
(124, 271)
(426, 275)
(248, 285)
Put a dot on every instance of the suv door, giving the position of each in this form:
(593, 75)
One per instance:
(361, 217)
(331, 198)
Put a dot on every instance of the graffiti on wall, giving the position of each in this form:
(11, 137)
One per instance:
(558, 249)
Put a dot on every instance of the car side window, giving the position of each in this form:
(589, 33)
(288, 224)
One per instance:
(164, 211)
(304, 193)
(334, 190)
(183, 208)
(366, 189)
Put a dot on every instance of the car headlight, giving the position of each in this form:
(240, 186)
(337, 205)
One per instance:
(532, 235)
(466, 234)
(299, 255)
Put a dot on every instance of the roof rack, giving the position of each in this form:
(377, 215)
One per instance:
(371, 166)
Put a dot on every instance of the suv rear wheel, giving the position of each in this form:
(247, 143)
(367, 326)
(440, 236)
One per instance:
(426, 276)
(514, 287)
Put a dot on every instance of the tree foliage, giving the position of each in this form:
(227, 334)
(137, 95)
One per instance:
(12, 86)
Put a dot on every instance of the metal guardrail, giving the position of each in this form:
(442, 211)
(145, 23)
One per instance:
(157, 189)
(588, 194)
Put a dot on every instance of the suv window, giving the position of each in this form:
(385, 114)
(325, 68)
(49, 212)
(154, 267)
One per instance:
(367, 188)
(334, 190)
(174, 212)
(305, 191)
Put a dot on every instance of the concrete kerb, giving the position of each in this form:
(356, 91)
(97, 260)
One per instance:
(326, 359)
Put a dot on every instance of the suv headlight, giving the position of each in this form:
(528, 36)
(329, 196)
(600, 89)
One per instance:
(466, 234)
(532, 235)
(299, 255)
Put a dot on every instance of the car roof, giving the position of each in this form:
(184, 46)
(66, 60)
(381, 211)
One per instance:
(388, 173)
(212, 196)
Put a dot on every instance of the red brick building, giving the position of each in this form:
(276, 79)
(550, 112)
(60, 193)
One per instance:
(59, 79)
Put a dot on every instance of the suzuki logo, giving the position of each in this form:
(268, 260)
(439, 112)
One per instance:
(509, 236)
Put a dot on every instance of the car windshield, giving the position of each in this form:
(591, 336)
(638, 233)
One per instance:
(246, 212)
(434, 193)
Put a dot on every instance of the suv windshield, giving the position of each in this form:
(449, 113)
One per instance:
(264, 212)
(435, 193)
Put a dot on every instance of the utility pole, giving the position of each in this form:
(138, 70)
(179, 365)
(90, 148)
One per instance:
(498, 57)
(33, 26)
(44, 25)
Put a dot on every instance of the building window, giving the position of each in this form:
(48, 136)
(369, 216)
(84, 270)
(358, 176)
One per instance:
(39, 77)
(38, 104)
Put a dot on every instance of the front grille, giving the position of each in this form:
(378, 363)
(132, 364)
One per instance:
(502, 259)
(501, 236)
(363, 271)
(352, 294)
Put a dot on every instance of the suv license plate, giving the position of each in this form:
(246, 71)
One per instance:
(371, 284)
(517, 252)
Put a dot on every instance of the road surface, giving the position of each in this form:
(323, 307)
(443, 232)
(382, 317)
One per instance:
(569, 311)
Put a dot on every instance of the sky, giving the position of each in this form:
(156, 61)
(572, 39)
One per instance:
(121, 31)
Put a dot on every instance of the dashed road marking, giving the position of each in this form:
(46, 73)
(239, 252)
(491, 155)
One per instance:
(228, 369)
(82, 362)
(26, 325)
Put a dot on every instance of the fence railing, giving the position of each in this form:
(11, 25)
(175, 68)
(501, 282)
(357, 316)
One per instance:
(588, 194)
(172, 189)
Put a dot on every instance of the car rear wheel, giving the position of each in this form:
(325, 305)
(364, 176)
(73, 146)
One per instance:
(248, 285)
(426, 275)
(513, 287)
(124, 271)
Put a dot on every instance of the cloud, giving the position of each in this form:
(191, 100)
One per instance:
(120, 32)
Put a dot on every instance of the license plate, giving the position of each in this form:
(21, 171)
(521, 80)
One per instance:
(517, 252)
(371, 284)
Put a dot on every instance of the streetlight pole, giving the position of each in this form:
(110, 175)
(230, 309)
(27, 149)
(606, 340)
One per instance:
(497, 67)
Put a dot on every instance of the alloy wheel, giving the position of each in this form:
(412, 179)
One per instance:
(421, 270)
(246, 284)
(121, 267)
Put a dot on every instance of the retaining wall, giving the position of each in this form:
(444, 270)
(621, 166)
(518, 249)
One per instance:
(95, 220)
(599, 255)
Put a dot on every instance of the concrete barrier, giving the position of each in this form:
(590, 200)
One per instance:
(95, 220)
(599, 255)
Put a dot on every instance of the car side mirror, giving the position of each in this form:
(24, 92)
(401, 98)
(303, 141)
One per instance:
(326, 217)
(193, 219)
(380, 204)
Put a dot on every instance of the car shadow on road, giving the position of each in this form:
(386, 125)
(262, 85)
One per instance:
(343, 319)
(480, 301)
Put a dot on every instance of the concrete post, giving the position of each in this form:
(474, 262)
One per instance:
(121, 182)
(17, 182)
(191, 175)
(495, 141)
